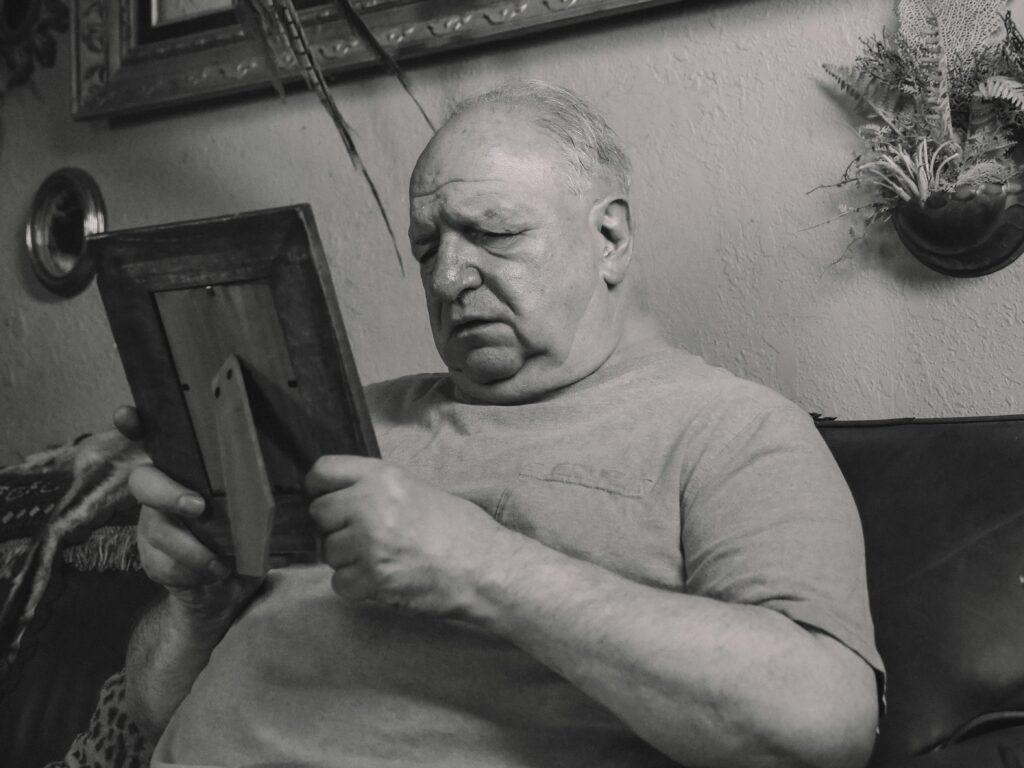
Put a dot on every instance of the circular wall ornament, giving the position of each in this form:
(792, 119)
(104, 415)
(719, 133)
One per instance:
(67, 208)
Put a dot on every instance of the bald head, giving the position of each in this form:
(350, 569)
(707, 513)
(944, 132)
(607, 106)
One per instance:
(589, 147)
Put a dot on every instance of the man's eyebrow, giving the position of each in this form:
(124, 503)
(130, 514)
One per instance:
(487, 208)
(494, 211)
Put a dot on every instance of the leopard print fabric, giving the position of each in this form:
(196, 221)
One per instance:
(112, 740)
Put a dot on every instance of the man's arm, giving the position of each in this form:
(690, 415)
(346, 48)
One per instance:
(706, 682)
(173, 641)
(168, 649)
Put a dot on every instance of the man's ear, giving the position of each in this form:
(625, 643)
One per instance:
(616, 230)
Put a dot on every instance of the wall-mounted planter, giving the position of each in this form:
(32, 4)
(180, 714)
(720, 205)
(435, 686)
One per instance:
(969, 233)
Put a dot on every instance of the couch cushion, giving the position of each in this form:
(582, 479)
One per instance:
(942, 504)
(1003, 749)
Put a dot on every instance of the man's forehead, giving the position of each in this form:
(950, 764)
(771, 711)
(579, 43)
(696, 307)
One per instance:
(481, 163)
(478, 198)
(485, 144)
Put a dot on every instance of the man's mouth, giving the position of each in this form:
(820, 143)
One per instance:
(470, 324)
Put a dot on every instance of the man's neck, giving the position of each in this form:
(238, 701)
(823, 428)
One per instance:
(640, 336)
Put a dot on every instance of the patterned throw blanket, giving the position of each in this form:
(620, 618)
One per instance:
(53, 505)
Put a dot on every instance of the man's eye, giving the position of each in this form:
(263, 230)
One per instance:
(424, 255)
(494, 238)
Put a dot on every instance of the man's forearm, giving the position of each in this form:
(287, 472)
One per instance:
(168, 649)
(706, 682)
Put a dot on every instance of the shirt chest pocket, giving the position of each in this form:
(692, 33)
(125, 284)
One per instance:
(604, 516)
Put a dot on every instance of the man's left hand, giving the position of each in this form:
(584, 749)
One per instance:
(397, 540)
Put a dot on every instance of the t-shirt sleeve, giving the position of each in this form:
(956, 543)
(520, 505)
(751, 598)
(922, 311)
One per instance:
(769, 520)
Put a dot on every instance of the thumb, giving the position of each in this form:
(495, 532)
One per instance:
(337, 472)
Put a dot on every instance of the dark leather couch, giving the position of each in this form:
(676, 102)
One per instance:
(942, 502)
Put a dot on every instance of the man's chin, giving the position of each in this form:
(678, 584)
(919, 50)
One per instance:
(485, 367)
(483, 375)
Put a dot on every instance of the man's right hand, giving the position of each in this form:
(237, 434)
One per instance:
(171, 555)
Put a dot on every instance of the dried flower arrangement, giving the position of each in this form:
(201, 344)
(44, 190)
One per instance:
(945, 98)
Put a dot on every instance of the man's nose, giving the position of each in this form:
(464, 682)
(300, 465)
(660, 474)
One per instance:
(455, 270)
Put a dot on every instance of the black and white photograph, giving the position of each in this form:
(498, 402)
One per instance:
(511, 383)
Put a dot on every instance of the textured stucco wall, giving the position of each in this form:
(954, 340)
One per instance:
(730, 124)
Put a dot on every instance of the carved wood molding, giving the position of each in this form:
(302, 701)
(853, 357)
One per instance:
(113, 74)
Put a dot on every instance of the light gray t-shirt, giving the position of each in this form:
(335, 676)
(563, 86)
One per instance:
(660, 468)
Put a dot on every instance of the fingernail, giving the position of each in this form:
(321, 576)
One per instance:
(218, 569)
(191, 504)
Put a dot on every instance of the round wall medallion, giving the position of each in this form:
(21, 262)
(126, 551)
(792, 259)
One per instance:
(67, 208)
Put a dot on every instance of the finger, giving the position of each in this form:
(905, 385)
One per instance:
(165, 570)
(353, 583)
(332, 473)
(126, 419)
(165, 535)
(331, 512)
(343, 549)
(153, 488)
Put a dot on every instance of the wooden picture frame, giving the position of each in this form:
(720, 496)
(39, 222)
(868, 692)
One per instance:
(183, 300)
(123, 63)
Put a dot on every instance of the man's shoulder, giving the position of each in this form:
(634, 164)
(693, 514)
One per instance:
(415, 382)
(697, 384)
(396, 395)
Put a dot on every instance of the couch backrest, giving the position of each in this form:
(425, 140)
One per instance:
(942, 505)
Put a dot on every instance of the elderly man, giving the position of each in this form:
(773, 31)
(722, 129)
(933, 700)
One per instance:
(582, 547)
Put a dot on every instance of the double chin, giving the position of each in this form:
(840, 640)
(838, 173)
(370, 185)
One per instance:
(486, 365)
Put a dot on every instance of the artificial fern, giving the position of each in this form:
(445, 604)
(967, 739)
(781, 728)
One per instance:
(987, 142)
(935, 95)
(892, 61)
(945, 97)
(874, 97)
(1002, 88)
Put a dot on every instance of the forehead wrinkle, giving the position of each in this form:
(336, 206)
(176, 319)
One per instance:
(439, 187)
(486, 204)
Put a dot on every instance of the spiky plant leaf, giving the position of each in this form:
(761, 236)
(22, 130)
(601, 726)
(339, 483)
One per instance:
(874, 97)
(1002, 88)
(935, 96)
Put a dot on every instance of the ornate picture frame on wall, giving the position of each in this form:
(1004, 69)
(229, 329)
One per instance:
(127, 61)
